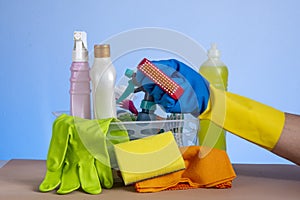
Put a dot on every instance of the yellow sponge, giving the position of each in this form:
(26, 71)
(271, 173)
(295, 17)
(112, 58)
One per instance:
(148, 157)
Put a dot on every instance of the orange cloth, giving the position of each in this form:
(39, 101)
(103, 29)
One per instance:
(206, 168)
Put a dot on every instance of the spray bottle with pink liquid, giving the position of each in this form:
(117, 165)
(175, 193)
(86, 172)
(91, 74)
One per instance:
(80, 103)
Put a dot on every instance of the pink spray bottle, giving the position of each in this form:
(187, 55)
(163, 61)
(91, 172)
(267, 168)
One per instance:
(80, 102)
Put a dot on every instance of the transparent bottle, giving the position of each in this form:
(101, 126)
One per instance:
(80, 102)
(103, 76)
(216, 72)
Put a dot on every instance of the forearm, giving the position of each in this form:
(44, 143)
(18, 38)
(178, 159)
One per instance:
(288, 144)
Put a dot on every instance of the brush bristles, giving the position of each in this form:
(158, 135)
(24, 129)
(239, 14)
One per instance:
(160, 78)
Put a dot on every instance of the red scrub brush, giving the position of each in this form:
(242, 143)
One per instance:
(160, 79)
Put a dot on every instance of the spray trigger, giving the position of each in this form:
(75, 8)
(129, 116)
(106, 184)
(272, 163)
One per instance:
(130, 88)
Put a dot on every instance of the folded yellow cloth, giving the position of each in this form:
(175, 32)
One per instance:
(208, 170)
(148, 157)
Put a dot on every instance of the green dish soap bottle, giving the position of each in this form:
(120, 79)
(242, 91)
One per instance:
(216, 72)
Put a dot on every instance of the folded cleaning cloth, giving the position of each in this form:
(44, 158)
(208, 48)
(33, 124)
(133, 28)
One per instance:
(212, 169)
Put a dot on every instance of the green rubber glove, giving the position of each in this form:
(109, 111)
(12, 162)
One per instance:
(70, 164)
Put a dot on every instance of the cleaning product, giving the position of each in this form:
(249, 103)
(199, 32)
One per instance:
(148, 157)
(148, 107)
(216, 72)
(129, 73)
(80, 79)
(103, 75)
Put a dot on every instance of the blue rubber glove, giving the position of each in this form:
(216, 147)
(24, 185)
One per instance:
(195, 97)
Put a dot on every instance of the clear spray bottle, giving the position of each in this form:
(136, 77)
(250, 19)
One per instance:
(216, 72)
(80, 103)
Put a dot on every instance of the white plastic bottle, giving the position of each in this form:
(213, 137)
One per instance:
(103, 76)
(216, 72)
(80, 79)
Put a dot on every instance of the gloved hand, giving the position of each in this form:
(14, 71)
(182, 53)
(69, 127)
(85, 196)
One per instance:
(70, 164)
(196, 89)
(251, 120)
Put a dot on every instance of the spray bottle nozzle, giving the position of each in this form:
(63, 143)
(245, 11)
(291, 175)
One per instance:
(80, 37)
(80, 52)
(130, 88)
(129, 73)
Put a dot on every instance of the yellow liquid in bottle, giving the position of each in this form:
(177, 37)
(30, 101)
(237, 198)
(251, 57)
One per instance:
(210, 134)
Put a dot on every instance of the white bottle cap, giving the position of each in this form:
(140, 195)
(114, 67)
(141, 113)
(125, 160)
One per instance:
(80, 52)
(213, 52)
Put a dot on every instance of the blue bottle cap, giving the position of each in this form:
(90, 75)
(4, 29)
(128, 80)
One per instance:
(129, 73)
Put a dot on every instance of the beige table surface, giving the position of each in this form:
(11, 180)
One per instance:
(19, 179)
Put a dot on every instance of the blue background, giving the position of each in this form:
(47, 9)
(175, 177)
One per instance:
(259, 41)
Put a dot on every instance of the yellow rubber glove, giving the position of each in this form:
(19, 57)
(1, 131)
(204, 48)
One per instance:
(245, 117)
